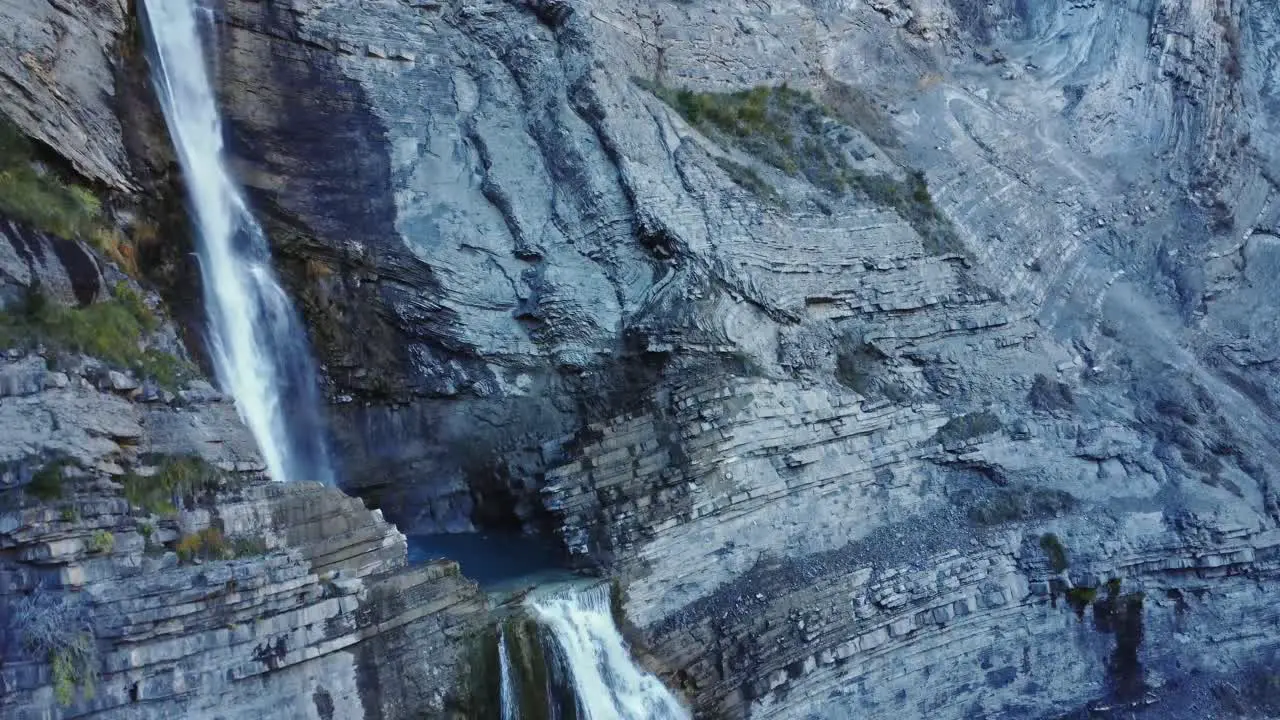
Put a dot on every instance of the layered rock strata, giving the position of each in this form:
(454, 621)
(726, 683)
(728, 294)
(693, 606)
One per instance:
(149, 570)
(551, 293)
(695, 361)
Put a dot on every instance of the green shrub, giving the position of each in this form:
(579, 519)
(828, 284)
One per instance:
(1020, 503)
(167, 370)
(749, 180)
(248, 547)
(1054, 550)
(1113, 588)
(176, 477)
(46, 484)
(1080, 598)
(211, 544)
(133, 303)
(795, 133)
(1050, 395)
(858, 109)
(101, 541)
(966, 427)
(783, 127)
(69, 515)
(208, 544)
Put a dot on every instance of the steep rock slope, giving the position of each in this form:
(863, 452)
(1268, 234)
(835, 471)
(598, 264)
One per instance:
(819, 418)
(58, 65)
(148, 570)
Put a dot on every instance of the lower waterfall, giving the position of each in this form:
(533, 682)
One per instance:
(583, 669)
(507, 688)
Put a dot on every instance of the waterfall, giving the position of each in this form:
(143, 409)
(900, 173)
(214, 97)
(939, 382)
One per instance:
(509, 694)
(606, 682)
(255, 337)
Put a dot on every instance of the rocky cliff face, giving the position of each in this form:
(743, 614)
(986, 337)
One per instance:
(816, 409)
(148, 570)
(901, 357)
(58, 80)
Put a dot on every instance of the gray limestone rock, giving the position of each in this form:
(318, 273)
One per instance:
(553, 297)
(818, 430)
(143, 535)
(57, 80)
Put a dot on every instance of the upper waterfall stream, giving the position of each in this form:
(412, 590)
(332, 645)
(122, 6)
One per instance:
(257, 342)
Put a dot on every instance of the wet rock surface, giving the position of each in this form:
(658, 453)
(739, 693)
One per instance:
(818, 430)
(711, 384)
(148, 569)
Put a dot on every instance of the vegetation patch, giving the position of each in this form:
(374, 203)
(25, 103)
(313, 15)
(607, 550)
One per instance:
(969, 426)
(855, 367)
(862, 367)
(112, 331)
(101, 541)
(748, 179)
(175, 478)
(1049, 395)
(1080, 598)
(242, 547)
(1020, 503)
(59, 630)
(46, 483)
(1055, 552)
(856, 108)
(36, 195)
(805, 138)
(210, 544)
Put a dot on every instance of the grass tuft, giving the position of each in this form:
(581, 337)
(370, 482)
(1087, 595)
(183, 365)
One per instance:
(102, 541)
(208, 544)
(805, 138)
(969, 426)
(1054, 551)
(176, 478)
(112, 331)
(747, 179)
(60, 630)
(46, 484)
(36, 196)
(1080, 598)
(1020, 503)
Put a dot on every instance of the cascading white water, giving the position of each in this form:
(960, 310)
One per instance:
(509, 697)
(255, 338)
(606, 681)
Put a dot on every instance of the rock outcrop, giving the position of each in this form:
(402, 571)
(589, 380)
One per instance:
(149, 570)
(718, 350)
(900, 357)
(58, 67)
